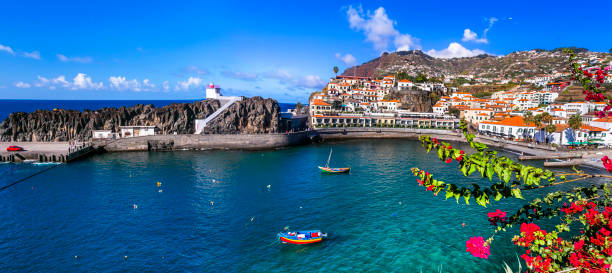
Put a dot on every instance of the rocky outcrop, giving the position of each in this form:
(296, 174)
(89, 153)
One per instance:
(254, 115)
(415, 101)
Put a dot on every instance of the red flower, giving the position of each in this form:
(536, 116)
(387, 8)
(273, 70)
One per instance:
(604, 231)
(478, 247)
(448, 160)
(430, 187)
(497, 216)
(578, 245)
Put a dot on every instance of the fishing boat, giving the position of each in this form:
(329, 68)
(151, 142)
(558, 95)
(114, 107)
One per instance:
(327, 169)
(302, 237)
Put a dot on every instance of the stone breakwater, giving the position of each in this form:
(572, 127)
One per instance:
(252, 115)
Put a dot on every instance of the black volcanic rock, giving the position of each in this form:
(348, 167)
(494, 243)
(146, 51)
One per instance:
(254, 115)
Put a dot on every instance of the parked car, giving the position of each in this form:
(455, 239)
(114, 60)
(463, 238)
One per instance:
(14, 148)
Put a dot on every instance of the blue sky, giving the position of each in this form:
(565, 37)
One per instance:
(283, 50)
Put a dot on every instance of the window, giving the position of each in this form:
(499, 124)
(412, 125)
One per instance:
(510, 130)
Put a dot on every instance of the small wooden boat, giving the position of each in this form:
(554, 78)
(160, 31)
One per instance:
(301, 237)
(334, 170)
(327, 169)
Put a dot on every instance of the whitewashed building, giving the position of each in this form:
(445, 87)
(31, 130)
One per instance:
(138, 131)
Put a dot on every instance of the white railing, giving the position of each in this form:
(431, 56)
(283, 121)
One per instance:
(200, 124)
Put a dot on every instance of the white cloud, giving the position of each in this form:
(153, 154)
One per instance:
(455, 50)
(80, 81)
(279, 74)
(471, 36)
(379, 29)
(192, 82)
(245, 76)
(347, 59)
(166, 85)
(196, 70)
(65, 59)
(32, 55)
(122, 83)
(405, 42)
(310, 81)
(21, 84)
(7, 49)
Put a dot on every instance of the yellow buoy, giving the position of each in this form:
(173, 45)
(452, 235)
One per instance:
(159, 184)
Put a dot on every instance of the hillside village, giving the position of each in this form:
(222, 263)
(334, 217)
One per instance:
(529, 111)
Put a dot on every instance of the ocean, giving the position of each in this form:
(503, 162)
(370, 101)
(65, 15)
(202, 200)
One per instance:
(9, 106)
(214, 212)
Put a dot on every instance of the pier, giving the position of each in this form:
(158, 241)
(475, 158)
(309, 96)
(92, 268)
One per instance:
(46, 151)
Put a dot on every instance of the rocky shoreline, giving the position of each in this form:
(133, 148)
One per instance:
(249, 116)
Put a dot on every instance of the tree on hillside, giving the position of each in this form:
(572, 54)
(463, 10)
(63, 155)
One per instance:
(336, 70)
(528, 117)
(454, 111)
(550, 128)
(546, 118)
(537, 119)
(421, 78)
(575, 122)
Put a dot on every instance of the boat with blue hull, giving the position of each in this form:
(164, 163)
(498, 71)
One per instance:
(301, 237)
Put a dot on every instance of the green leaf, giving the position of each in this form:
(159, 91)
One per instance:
(516, 192)
(441, 153)
(490, 171)
(507, 175)
(498, 196)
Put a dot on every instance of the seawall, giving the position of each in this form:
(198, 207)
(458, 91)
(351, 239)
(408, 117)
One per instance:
(205, 141)
(407, 133)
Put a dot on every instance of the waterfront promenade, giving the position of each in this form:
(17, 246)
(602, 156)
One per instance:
(34, 150)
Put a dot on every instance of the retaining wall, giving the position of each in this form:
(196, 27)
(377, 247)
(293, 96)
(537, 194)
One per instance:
(206, 141)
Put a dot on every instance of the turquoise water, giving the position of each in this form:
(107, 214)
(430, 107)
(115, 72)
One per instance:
(377, 218)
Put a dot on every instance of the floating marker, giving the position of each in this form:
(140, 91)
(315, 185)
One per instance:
(159, 184)
(212, 203)
(135, 206)
(252, 218)
(400, 202)
(463, 224)
(75, 256)
(268, 186)
(125, 257)
(159, 191)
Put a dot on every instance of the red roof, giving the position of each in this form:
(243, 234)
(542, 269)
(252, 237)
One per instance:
(320, 102)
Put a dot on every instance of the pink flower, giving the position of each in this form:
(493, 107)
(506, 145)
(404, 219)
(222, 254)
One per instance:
(478, 247)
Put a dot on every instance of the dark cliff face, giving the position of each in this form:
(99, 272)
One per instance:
(64, 125)
(414, 101)
(251, 116)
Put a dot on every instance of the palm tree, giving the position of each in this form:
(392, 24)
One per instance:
(336, 70)
(298, 108)
(528, 117)
(546, 117)
(575, 122)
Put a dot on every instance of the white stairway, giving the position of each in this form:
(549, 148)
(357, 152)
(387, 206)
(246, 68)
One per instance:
(226, 102)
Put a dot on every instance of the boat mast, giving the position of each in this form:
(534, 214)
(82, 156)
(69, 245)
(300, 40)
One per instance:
(328, 158)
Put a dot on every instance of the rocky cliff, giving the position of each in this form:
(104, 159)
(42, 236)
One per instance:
(252, 115)
(415, 101)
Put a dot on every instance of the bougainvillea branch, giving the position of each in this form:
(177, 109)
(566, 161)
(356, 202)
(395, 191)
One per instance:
(589, 249)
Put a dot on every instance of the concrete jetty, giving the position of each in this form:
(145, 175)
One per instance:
(45, 151)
